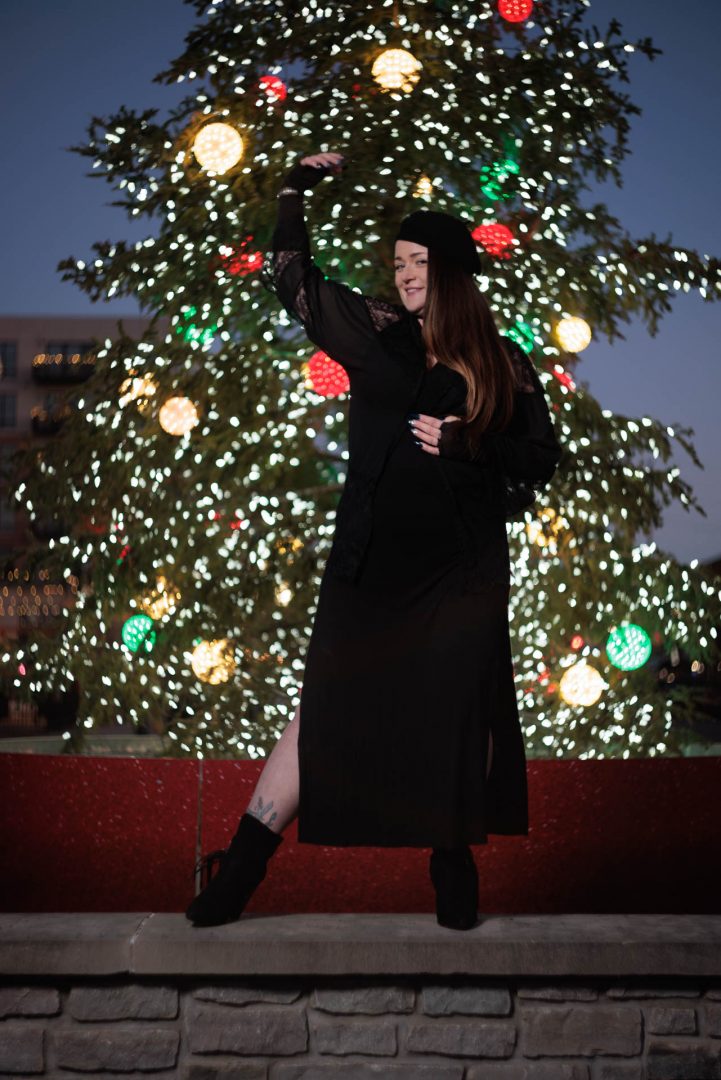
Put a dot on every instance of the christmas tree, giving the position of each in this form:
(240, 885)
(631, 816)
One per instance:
(192, 492)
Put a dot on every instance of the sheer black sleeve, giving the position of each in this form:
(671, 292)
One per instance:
(528, 450)
(340, 321)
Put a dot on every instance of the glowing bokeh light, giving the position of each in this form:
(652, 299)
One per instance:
(574, 334)
(396, 69)
(178, 416)
(628, 646)
(218, 147)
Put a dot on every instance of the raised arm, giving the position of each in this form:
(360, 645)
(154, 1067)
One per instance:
(334, 317)
(528, 449)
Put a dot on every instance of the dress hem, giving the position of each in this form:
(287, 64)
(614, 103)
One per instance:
(475, 839)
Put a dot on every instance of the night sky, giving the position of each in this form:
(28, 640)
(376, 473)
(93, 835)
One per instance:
(62, 63)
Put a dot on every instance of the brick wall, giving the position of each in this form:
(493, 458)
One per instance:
(342, 1028)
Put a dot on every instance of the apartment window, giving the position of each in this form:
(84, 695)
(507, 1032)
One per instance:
(68, 348)
(8, 410)
(7, 508)
(8, 360)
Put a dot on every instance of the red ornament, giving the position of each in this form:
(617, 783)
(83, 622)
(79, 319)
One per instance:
(327, 377)
(494, 238)
(515, 10)
(576, 641)
(237, 261)
(273, 88)
(565, 379)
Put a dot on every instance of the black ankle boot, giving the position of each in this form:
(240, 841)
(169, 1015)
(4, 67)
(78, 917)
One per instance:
(242, 868)
(455, 879)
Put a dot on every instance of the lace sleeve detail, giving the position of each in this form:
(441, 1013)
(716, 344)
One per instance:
(274, 266)
(382, 313)
(523, 371)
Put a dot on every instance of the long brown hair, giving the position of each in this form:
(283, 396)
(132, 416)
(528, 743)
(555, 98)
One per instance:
(460, 331)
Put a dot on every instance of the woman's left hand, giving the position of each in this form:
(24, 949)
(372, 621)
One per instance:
(427, 431)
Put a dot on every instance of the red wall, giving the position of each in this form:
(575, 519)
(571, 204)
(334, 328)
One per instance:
(120, 834)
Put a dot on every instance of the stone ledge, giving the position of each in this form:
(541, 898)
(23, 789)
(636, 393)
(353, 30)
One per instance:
(360, 944)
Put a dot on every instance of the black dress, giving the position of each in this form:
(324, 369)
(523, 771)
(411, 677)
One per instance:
(406, 674)
(408, 667)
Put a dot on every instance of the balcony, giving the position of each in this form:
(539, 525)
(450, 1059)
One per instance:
(63, 367)
(48, 421)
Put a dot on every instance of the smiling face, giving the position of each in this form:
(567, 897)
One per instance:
(411, 270)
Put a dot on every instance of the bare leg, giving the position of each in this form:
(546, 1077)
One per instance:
(275, 799)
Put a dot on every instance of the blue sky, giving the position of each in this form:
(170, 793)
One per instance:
(63, 63)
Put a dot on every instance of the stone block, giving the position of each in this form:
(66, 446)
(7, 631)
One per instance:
(528, 1070)
(22, 1049)
(677, 1059)
(364, 999)
(683, 990)
(667, 1021)
(247, 1071)
(116, 1049)
(336, 1036)
(365, 1071)
(713, 1020)
(714, 993)
(558, 993)
(273, 1029)
(247, 995)
(47, 944)
(469, 1000)
(581, 1030)
(28, 1001)
(470, 1038)
(621, 1070)
(131, 1002)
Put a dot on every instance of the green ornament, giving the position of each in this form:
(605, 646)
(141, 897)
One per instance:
(628, 646)
(192, 332)
(522, 334)
(138, 633)
(493, 179)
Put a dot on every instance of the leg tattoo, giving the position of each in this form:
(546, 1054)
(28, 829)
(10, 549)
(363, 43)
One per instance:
(260, 810)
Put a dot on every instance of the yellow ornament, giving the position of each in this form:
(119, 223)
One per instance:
(581, 684)
(161, 601)
(138, 389)
(218, 147)
(213, 661)
(573, 334)
(178, 416)
(396, 69)
(423, 188)
(546, 528)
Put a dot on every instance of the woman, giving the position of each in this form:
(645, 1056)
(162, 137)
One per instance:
(408, 731)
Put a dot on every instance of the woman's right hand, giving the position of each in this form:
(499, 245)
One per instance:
(310, 170)
(330, 160)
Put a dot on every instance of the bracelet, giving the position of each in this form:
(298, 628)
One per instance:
(287, 191)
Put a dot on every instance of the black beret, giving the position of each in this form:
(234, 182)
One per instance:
(443, 233)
